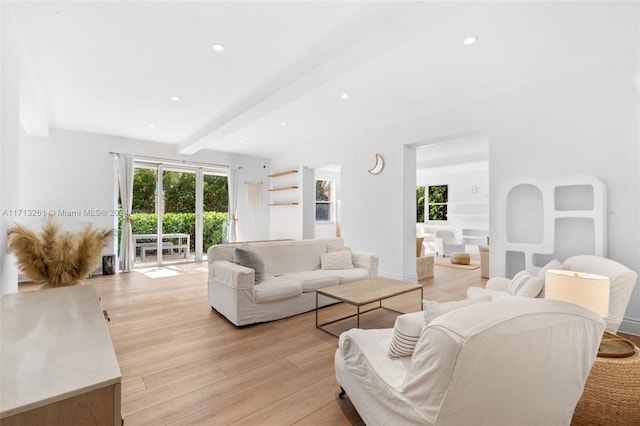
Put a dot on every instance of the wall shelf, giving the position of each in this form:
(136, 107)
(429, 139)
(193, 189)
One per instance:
(283, 188)
(286, 184)
(284, 173)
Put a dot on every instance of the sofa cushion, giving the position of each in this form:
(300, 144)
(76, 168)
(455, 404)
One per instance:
(276, 288)
(245, 256)
(312, 280)
(336, 260)
(291, 256)
(337, 246)
(434, 309)
(343, 275)
(554, 264)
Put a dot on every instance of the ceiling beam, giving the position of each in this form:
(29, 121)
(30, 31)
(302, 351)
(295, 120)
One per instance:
(373, 30)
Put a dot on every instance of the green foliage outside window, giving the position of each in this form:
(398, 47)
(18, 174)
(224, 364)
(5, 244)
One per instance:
(179, 192)
(179, 205)
(178, 223)
(323, 199)
(420, 203)
(437, 199)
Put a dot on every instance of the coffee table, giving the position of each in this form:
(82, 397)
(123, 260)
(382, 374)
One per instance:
(363, 292)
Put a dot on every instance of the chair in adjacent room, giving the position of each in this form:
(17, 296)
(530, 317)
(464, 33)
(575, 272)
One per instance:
(446, 243)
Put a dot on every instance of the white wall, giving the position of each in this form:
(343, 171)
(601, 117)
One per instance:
(581, 122)
(378, 215)
(9, 142)
(585, 124)
(74, 171)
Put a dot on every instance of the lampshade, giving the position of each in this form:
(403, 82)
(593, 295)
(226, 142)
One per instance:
(588, 290)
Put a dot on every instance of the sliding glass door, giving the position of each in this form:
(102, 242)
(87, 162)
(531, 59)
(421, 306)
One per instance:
(178, 211)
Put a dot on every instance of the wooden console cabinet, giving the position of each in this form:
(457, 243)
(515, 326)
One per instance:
(58, 363)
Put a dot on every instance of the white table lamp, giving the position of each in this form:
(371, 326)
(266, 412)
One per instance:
(588, 290)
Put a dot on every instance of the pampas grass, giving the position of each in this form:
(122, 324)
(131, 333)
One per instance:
(54, 257)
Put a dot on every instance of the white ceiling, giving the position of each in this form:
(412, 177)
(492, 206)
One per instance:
(110, 67)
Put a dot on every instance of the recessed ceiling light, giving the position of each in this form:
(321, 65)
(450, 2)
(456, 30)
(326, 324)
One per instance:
(151, 125)
(242, 141)
(284, 123)
(218, 47)
(174, 98)
(470, 40)
(345, 96)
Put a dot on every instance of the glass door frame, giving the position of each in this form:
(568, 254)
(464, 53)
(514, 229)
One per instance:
(199, 169)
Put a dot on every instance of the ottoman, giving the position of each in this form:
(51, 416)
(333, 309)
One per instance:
(460, 258)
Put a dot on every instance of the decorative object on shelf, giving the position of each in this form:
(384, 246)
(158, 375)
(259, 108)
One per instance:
(54, 257)
(379, 166)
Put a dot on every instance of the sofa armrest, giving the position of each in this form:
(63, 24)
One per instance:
(498, 284)
(364, 260)
(233, 275)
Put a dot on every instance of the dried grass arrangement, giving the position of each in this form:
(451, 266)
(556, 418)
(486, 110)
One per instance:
(56, 258)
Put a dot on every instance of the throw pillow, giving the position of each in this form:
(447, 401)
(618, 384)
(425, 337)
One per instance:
(525, 284)
(435, 309)
(245, 256)
(554, 264)
(336, 260)
(542, 273)
(406, 332)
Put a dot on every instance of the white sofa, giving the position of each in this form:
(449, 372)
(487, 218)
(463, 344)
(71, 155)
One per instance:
(292, 274)
(623, 280)
(515, 361)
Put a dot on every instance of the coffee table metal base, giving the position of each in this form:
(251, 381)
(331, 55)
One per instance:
(322, 326)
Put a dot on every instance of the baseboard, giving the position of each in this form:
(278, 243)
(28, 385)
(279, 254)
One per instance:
(630, 326)
(97, 271)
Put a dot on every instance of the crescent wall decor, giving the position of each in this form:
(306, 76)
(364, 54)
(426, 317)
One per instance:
(378, 167)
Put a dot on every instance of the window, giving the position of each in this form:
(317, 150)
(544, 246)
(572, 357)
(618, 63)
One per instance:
(324, 200)
(420, 204)
(438, 198)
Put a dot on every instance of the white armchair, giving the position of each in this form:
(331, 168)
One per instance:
(623, 280)
(516, 361)
(446, 243)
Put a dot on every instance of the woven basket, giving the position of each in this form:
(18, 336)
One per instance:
(611, 394)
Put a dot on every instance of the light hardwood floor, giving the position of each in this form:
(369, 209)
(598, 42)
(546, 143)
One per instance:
(182, 363)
